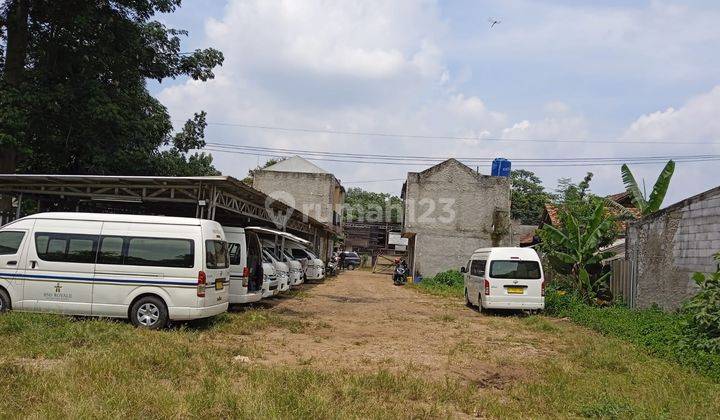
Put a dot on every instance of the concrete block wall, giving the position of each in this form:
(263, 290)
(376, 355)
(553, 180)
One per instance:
(312, 193)
(454, 211)
(669, 246)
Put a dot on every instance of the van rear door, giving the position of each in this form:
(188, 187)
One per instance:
(217, 272)
(515, 279)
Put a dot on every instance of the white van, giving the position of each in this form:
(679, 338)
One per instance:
(313, 266)
(504, 278)
(271, 284)
(246, 265)
(295, 271)
(150, 269)
(281, 269)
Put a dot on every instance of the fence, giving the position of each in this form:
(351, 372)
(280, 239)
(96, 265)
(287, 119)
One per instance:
(622, 281)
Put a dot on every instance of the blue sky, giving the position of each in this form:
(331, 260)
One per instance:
(552, 69)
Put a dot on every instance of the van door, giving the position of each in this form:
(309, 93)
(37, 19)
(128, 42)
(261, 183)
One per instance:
(12, 243)
(217, 271)
(60, 267)
(254, 262)
(476, 279)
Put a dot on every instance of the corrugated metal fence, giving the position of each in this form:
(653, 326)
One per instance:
(622, 284)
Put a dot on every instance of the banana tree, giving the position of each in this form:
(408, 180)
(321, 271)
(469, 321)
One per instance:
(647, 205)
(573, 248)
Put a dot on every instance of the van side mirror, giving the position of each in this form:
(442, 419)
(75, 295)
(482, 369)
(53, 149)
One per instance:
(462, 269)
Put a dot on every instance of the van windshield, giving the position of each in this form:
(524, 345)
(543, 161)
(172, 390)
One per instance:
(216, 254)
(522, 270)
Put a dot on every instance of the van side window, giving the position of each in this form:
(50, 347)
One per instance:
(234, 250)
(216, 254)
(111, 250)
(477, 268)
(10, 242)
(160, 252)
(66, 247)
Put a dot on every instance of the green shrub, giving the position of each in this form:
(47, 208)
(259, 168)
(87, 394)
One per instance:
(448, 283)
(449, 278)
(704, 311)
(661, 334)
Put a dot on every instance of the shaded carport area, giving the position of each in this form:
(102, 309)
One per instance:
(224, 199)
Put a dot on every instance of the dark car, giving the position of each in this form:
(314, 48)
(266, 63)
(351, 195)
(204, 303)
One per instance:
(349, 260)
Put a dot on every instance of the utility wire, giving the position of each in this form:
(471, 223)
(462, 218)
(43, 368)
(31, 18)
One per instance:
(536, 164)
(438, 137)
(395, 158)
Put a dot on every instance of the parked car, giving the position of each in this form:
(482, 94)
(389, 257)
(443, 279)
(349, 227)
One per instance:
(150, 269)
(504, 278)
(246, 266)
(350, 260)
(312, 265)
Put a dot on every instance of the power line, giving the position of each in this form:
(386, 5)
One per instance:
(533, 164)
(395, 158)
(373, 180)
(475, 138)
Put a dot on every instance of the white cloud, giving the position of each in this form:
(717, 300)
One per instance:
(697, 120)
(394, 67)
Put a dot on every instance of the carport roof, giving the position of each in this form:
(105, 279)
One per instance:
(90, 185)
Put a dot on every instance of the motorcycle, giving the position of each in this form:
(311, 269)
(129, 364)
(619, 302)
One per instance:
(332, 267)
(400, 275)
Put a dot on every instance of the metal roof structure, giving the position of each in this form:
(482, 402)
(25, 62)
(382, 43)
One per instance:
(222, 198)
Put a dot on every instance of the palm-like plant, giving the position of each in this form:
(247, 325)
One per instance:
(647, 205)
(573, 248)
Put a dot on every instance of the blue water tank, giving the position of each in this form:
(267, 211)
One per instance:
(500, 167)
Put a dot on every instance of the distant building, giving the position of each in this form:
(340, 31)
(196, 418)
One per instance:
(450, 211)
(308, 188)
(665, 248)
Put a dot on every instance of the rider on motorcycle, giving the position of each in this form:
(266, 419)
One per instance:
(400, 274)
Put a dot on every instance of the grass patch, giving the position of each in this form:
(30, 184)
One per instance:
(448, 284)
(110, 369)
(659, 333)
(53, 366)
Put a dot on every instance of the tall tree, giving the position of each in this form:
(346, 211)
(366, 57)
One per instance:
(73, 94)
(528, 196)
(642, 202)
(361, 205)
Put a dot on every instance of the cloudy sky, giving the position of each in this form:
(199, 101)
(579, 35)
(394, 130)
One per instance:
(642, 75)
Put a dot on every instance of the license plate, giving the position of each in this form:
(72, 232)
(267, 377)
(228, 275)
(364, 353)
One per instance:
(219, 284)
(512, 290)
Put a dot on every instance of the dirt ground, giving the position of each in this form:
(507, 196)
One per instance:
(360, 321)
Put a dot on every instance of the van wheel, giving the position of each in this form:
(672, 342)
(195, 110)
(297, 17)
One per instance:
(467, 300)
(351, 266)
(479, 307)
(4, 301)
(149, 312)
